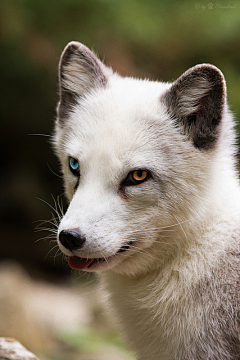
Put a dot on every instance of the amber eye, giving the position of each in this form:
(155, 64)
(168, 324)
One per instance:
(136, 177)
(139, 175)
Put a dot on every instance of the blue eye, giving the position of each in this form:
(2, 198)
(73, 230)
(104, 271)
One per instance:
(74, 166)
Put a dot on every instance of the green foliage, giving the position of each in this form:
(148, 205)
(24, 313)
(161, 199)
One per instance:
(87, 341)
(159, 39)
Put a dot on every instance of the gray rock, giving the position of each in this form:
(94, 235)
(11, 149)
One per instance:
(11, 349)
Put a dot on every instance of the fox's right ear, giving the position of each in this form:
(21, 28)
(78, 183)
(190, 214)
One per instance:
(196, 101)
(79, 72)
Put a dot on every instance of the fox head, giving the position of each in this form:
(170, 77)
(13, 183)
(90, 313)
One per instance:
(141, 161)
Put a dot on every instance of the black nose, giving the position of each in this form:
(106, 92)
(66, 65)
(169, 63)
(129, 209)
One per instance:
(71, 239)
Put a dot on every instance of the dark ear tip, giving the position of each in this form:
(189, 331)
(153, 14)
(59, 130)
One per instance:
(205, 67)
(210, 72)
(71, 48)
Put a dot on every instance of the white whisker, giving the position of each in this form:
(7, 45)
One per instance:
(57, 214)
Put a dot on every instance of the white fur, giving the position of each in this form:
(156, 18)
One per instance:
(179, 221)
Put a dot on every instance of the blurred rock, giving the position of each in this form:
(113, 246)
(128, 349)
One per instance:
(13, 350)
(36, 312)
(16, 320)
(43, 316)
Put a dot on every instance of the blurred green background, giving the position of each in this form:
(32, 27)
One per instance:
(157, 39)
(144, 38)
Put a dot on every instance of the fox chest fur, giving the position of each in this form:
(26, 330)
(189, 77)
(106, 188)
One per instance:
(154, 203)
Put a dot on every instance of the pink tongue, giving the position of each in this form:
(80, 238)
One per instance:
(78, 263)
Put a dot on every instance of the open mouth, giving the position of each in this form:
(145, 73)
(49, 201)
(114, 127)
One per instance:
(79, 263)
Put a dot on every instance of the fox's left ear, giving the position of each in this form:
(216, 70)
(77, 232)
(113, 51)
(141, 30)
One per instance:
(196, 101)
(79, 72)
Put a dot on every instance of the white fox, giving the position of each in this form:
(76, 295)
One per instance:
(149, 170)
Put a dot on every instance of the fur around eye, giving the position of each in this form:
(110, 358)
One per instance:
(74, 166)
(136, 177)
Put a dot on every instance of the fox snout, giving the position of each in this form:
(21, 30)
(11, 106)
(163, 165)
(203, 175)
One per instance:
(72, 239)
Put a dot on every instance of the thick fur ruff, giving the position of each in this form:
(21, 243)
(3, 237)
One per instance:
(154, 203)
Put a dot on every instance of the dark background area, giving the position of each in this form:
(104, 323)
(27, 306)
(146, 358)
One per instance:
(143, 38)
